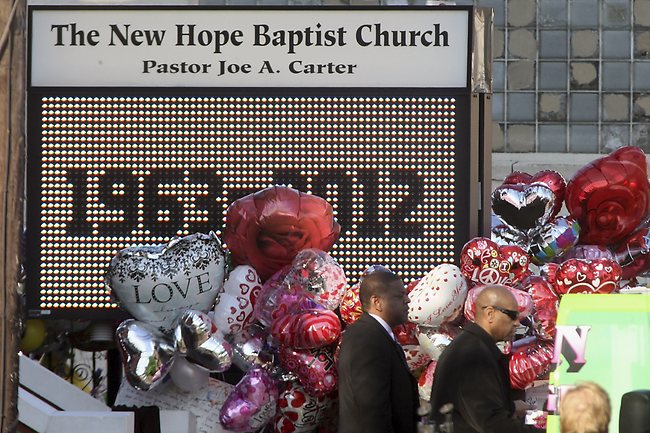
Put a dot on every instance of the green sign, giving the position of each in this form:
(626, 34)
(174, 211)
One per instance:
(603, 339)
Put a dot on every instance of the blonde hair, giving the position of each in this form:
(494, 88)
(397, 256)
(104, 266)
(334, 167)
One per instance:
(585, 409)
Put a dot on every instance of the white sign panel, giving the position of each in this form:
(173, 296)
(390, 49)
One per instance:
(249, 48)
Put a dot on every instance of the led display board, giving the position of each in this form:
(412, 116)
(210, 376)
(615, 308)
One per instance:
(125, 152)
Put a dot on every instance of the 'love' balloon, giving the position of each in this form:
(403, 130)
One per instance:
(158, 283)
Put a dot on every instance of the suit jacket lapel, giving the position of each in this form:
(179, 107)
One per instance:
(367, 318)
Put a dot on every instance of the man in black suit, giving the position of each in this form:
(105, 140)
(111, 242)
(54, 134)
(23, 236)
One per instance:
(377, 393)
(473, 375)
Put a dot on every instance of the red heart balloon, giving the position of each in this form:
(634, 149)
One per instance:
(406, 334)
(484, 262)
(610, 196)
(315, 368)
(586, 276)
(545, 301)
(530, 359)
(550, 178)
(307, 329)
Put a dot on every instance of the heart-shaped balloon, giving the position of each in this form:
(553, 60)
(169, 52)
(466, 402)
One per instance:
(434, 340)
(233, 308)
(545, 302)
(320, 275)
(634, 254)
(299, 412)
(188, 376)
(484, 262)
(588, 252)
(350, 307)
(609, 197)
(406, 333)
(147, 354)
(425, 381)
(586, 276)
(550, 178)
(277, 299)
(437, 296)
(530, 359)
(416, 356)
(252, 404)
(524, 302)
(553, 240)
(199, 340)
(307, 329)
(250, 349)
(158, 283)
(523, 206)
(503, 234)
(316, 368)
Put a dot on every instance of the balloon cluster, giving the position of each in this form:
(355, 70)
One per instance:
(279, 315)
(274, 318)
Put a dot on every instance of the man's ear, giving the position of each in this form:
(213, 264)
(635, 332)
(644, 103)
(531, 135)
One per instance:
(376, 303)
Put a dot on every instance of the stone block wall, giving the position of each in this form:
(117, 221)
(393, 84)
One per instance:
(570, 76)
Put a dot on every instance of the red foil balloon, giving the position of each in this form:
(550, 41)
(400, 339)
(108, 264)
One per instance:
(315, 368)
(546, 302)
(406, 334)
(610, 196)
(307, 329)
(586, 276)
(484, 262)
(425, 381)
(267, 229)
(530, 359)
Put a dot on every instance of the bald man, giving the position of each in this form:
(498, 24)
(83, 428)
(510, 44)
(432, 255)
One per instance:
(473, 375)
(377, 393)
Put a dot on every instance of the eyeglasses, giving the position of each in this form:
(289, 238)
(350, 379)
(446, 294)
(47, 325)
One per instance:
(512, 314)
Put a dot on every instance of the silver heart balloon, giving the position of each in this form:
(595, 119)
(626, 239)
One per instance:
(147, 354)
(198, 339)
(523, 206)
(251, 349)
(158, 283)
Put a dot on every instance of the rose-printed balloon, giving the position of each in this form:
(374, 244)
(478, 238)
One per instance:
(299, 412)
(416, 356)
(437, 296)
(269, 228)
(252, 404)
(158, 283)
(233, 308)
(586, 276)
(609, 197)
(484, 262)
